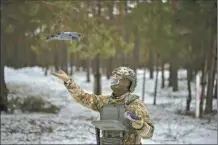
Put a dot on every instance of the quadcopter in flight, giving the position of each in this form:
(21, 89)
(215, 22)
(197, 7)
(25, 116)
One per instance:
(65, 36)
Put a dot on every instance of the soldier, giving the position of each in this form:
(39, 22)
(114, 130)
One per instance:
(123, 83)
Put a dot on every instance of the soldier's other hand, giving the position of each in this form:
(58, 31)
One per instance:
(61, 75)
(137, 122)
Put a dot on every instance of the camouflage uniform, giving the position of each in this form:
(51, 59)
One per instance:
(96, 102)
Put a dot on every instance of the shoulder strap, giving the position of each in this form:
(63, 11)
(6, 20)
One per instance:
(131, 98)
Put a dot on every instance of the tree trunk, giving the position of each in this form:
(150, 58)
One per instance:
(189, 98)
(162, 76)
(71, 64)
(110, 60)
(151, 65)
(27, 60)
(16, 57)
(4, 90)
(97, 75)
(126, 33)
(64, 57)
(156, 79)
(215, 92)
(174, 78)
(155, 87)
(136, 50)
(203, 84)
(121, 22)
(88, 71)
(210, 86)
(143, 85)
(170, 84)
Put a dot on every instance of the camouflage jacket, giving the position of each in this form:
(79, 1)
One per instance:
(96, 102)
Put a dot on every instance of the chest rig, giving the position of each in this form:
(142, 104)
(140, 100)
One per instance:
(115, 125)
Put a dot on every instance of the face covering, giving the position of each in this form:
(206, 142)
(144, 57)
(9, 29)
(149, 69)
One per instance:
(117, 89)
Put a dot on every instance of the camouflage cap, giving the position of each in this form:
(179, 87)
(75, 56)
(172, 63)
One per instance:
(128, 73)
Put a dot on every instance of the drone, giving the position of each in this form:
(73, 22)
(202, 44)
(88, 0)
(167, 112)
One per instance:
(65, 36)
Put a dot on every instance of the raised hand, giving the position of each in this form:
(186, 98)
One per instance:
(61, 75)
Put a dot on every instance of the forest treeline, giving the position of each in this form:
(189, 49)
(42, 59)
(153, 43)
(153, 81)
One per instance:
(139, 34)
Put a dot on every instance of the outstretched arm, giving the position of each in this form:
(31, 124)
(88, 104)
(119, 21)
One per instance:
(91, 101)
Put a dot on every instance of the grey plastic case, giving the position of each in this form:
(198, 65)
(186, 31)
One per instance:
(109, 125)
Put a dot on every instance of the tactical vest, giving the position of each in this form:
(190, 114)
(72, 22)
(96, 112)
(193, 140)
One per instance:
(113, 111)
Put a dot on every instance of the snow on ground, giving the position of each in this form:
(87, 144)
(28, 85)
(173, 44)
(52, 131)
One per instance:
(72, 124)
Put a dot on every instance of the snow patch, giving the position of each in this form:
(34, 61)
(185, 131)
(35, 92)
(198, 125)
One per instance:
(73, 123)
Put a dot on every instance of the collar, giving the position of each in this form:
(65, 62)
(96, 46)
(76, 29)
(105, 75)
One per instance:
(121, 97)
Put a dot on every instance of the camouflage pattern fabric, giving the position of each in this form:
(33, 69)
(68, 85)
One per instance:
(127, 73)
(96, 102)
